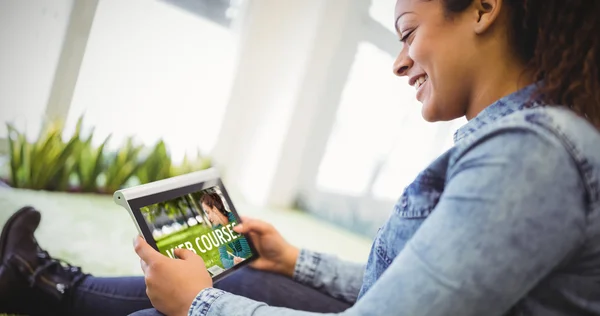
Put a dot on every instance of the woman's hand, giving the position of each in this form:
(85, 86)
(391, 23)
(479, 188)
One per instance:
(172, 284)
(276, 254)
(237, 260)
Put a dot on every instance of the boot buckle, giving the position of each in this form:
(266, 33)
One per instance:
(61, 288)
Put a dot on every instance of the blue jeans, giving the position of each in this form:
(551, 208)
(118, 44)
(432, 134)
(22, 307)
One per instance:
(127, 295)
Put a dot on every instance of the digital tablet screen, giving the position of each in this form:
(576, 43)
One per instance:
(200, 219)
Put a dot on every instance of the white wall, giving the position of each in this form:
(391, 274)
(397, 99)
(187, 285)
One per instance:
(31, 38)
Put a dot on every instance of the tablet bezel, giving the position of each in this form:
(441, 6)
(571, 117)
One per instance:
(152, 193)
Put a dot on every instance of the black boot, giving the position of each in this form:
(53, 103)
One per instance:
(31, 282)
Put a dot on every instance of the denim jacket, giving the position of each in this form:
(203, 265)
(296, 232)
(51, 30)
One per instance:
(507, 222)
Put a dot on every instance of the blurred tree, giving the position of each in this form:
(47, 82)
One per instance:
(173, 210)
(198, 209)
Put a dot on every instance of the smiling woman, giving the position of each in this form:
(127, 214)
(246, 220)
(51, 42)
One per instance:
(430, 57)
(506, 222)
(462, 37)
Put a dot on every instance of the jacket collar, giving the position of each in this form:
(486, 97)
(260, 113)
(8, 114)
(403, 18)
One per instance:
(517, 101)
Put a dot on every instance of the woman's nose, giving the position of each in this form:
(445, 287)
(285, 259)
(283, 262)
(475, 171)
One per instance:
(402, 63)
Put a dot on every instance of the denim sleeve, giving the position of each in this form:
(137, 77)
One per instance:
(326, 273)
(330, 275)
(513, 210)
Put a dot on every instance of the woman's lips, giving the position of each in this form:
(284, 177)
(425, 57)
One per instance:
(421, 89)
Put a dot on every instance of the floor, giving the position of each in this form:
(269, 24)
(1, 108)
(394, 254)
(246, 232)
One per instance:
(91, 231)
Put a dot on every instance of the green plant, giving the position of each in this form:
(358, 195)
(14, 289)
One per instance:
(18, 150)
(157, 164)
(122, 166)
(56, 162)
(52, 163)
(199, 162)
(91, 163)
(45, 164)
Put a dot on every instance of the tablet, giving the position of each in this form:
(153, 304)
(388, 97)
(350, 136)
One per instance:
(191, 211)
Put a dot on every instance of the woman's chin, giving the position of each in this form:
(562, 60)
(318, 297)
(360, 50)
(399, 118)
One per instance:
(432, 113)
(428, 112)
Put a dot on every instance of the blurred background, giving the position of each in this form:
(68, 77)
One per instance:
(293, 101)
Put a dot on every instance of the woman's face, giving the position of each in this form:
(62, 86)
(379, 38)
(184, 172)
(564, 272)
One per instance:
(214, 216)
(438, 56)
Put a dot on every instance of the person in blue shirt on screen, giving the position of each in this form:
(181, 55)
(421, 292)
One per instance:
(219, 216)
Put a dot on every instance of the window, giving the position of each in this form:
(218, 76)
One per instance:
(158, 69)
(379, 140)
(382, 12)
(374, 104)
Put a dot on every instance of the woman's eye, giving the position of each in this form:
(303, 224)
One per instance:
(405, 36)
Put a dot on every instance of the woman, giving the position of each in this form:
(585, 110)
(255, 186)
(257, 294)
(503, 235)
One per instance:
(507, 222)
(218, 216)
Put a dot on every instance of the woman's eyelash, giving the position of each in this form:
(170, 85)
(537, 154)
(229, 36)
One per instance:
(403, 39)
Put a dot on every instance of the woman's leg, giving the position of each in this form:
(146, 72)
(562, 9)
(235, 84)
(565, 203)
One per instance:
(280, 291)
(52, 288)
(275, 290)
(108, 296)
(34, 283)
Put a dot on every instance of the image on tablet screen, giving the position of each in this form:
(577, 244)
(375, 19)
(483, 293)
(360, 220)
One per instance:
(201, 222)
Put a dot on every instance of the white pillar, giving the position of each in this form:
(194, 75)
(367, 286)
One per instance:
(291, 55)
(71, 57)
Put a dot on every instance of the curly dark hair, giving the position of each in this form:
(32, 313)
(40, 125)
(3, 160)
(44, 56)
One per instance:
(559, 40)
(213, 200)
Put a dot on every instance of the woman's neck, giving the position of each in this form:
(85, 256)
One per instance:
(494, 84)
(223, 219)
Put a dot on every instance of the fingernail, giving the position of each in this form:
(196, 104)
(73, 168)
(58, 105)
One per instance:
(238, 227)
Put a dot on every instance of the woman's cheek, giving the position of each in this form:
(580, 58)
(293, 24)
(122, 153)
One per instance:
(415, 52)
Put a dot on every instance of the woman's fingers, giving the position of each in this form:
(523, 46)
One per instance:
(143, 265)
(250, 225)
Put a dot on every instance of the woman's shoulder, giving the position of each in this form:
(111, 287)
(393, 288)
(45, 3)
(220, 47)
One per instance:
(542, 131)
(556, 123)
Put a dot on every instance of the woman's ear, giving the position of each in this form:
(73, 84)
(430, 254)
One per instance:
(487, 12)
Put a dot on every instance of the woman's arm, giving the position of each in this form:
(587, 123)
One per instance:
(337, 278)
(512, 211)
(330, 275)
(225, 257)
